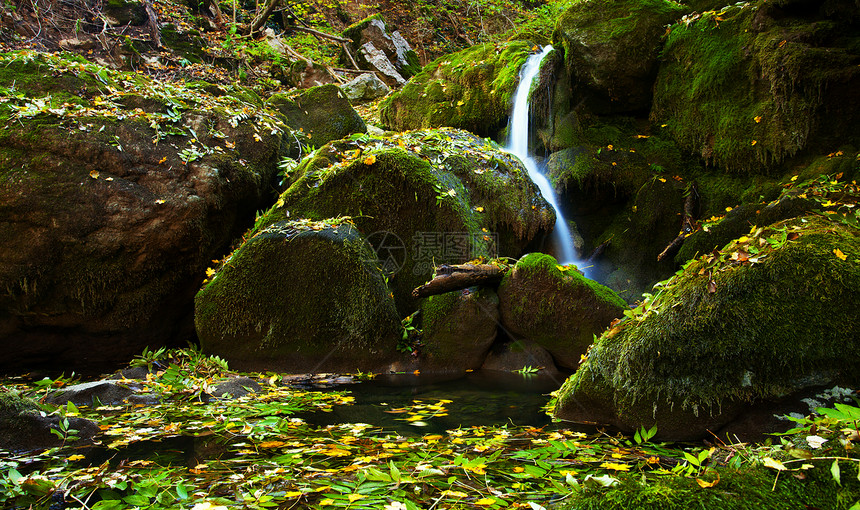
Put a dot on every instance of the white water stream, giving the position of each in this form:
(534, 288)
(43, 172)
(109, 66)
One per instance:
(518, 145)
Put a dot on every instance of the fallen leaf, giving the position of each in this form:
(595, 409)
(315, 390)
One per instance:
(94, 174)
(757, 119)
(370, 160)
(705, 485)
(712, 287)
(774, 464)
(839, 254)
(485, 501)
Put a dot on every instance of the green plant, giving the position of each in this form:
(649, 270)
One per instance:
(528, 370)
(149, 358)
(409, 335)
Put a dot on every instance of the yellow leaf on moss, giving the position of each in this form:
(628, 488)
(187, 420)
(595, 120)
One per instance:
(485, 501)
(370, 160)
(839, 254)
(94, 174)
(616, 466)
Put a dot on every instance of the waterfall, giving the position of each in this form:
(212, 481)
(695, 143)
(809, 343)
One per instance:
(518, 145)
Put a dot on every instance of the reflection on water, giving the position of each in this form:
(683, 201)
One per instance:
(419, 404)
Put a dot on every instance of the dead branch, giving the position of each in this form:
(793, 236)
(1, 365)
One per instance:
(688, 224)
(152, 24)
(457, 277)
(261, 18)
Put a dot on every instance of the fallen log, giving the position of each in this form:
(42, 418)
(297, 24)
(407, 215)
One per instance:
(457, 277)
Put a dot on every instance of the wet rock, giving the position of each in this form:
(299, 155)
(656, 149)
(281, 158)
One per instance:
(518, 354)
(611, 51)
(105, 235)
(555, 307)
(235, 387)
(458, 329)
(300, 296)
(86, 394)
(471, 89)
(726, 337)
(23, 426)
(365, 87)
(377, 61)
(322, 113)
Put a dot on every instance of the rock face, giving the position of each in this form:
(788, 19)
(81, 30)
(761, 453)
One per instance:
(421, 198)
(458, 329)
(323, 113)
(300, 296)
(113, 204)
(747, 94)
(377, 50)
(22, 426)
(555, 307)
(729, 332)
(84, 394)
(470, 89)
(365, 87)
(518, 354)
(611, 50)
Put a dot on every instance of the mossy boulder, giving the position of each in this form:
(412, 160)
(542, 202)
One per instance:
(728, 331)
(300, 296)
(611, 50)
(471, 89)
(322, 113)
(112, 204)
(423, 198)
(458, 329)
(555, 307)
(756, 83)
(516, 355)
(23, 426)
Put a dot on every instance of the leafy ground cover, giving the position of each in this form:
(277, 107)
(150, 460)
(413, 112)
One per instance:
(255, 452)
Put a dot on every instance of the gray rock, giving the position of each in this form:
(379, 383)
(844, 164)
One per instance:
(515, 355)
(235, 387)
(84, 394)
(365, 87)
(378, 61)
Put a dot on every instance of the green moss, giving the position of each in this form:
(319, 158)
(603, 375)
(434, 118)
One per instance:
(323, 113)
(296, 293)
(757, 332)
(421, 186)
(744, 87)
(470, 89)
(750, 488)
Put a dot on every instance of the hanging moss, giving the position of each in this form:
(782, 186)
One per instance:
(752, 85)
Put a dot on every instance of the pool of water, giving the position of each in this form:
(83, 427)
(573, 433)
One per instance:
(418, 404)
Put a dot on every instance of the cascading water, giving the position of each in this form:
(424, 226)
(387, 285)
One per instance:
(518, 145)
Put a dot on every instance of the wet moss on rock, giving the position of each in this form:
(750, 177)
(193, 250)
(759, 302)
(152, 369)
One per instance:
(754, 84)
(323, 113)
(471, 89)
(723, 334)
(300, 296)
(555, 306)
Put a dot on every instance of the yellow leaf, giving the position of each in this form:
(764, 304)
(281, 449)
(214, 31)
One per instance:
(355, 497)
(336, 452)
(610, 147)
(162, 160)
(757, 119)
(662, 179)
(754, 142)
(293, 494)
(370, 160)
(705, 485)
(272, 444)
(774, 464)
(159, 201)
(728, 209)
(210, 272)
(615, 466)
(454, 494)
(94, 174)
(743, 239)
(76, 457)
(327, 502)
(794, 178)
(839, 254)
(485, 501)
(519, 469)
(479, 209)
(460, 103)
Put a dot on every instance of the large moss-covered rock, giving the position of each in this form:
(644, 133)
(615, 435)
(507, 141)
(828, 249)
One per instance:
(113, 201)
(423, 198)
(556, 307)
(471, 89)
(300, 296)
(23, 425)
(323, 113)
(757, 82)
(769, 315)
(458, 329)
(611, 50)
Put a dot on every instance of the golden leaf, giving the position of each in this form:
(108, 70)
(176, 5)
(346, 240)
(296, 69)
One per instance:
(839, 254)
(454, 494)
(705, 485)
(370, 160)
(754, 142)
(479, 209)
(94, 174)
(616, 466)
(485, 501)
(210, 272)
(774, 464)
(757, 119)
(162, 160)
